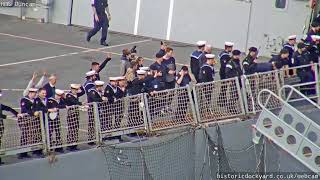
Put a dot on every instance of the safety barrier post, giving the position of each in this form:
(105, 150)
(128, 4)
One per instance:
(240, 96)
(43, 131)
(193, 104)
(97, 123)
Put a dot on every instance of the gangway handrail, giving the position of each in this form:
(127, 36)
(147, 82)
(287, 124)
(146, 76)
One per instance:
(293, 89)
(302, 135)
(285, 103)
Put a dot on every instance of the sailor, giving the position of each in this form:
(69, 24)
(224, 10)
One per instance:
(315, 28)
(224, 57)
(207, 75)
(196, 58)
(249, 64)
(98, 67)
(72, 99)
(101, 20)
(290, 47)
(281, 61)
(2, 117)
(27, 106)
(183, 77)
(54, 104)
(139, 85)
(94, 95)
(111, 92)
(157, 65)
(207, 70)
(91, 78)
(233, 69)
(119, 103)
(314, 49)
(157, 85)
(306, 74)
(40, 104)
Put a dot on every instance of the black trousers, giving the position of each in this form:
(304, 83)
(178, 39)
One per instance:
(103, 24)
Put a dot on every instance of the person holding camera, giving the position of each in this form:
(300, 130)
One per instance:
(126, 58)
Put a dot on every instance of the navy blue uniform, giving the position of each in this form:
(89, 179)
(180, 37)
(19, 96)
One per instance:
(169, 64)
(114, 108)
(206, 73)
(195, 63)
(305, 74)
(87, 86)
(224, 57)
(185, 80)
(73, 119)
(55, 124)
(93, 96)
(279, 62)
(103, 23)
(290, 48)
(249, 66)
(39, 105)
(314, 53)
(157, 85)
(27, 106)
(183, 98)
(50, 90)
(233, 69)
(309, 34)
(264, 67)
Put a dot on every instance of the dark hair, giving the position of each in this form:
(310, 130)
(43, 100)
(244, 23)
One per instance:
(168, 49)
(41, 89)
(94, 63)
(284, 51)
(184, 68)
(125, 52)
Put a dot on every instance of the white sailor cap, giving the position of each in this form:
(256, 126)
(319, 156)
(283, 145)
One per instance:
(292, 37)
(144, 68)
(90, 73)
(32, 90)
(75, 86)
(99, 83)
(210, 56)
(201, 43)
(113, 78)
(141, 72)
(59, 92)
(121, 78)
(228, 43)
(315, 37)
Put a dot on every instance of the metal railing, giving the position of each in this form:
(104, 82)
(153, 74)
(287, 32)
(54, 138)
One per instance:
(168, 109)
(71, 126)
(124, 116)
(22, 134)
(218, 100)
